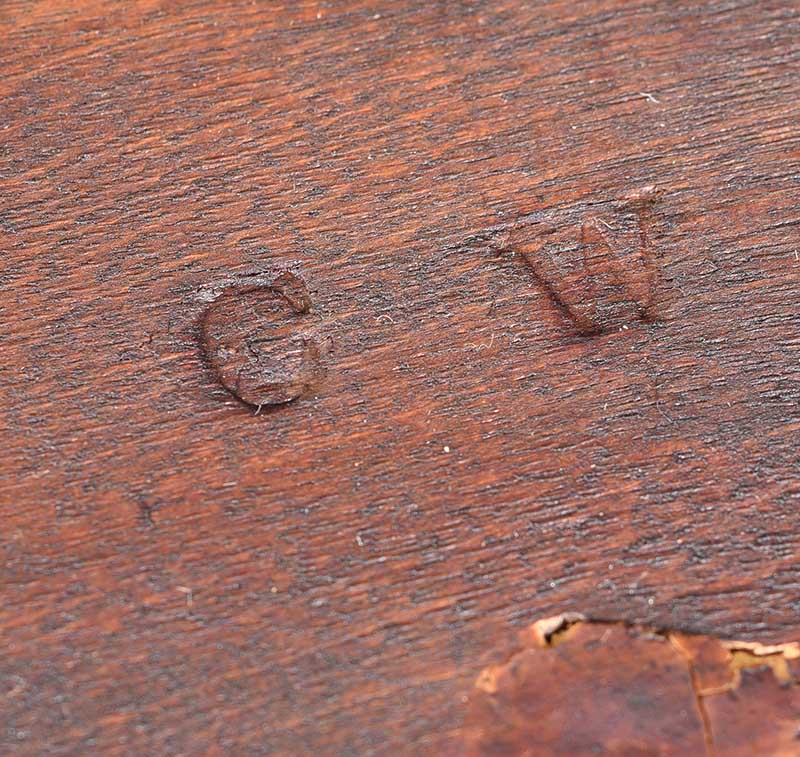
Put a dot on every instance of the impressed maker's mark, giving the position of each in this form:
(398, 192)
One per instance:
(263, 340)
(595, 263)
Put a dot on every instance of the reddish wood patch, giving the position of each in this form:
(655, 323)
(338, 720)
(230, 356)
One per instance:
(585, 688)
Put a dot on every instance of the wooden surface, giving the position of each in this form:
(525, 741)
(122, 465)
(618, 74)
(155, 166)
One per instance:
(585, 688)
(534, 396)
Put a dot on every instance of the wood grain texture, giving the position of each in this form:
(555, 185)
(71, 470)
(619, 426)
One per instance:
(183, 576)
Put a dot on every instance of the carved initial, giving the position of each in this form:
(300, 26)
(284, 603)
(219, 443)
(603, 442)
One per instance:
(600, 274)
